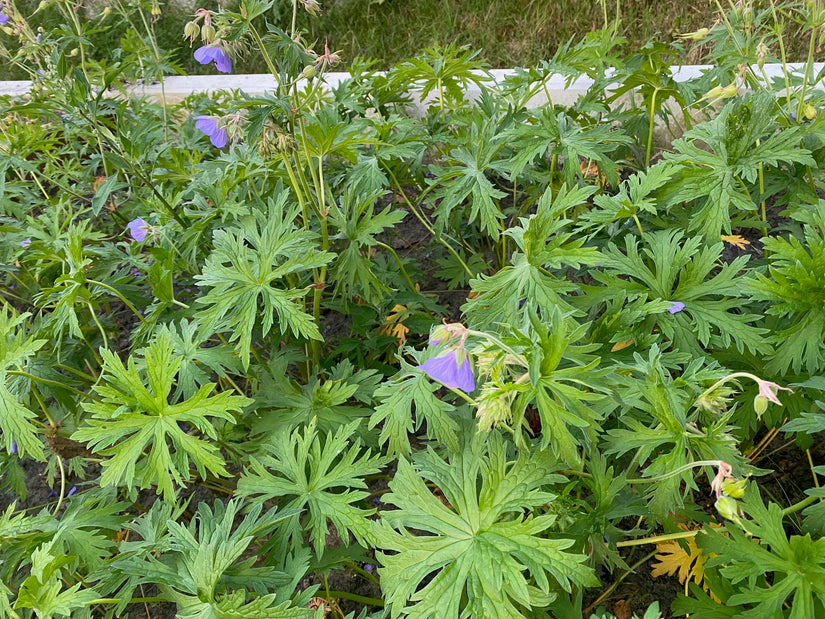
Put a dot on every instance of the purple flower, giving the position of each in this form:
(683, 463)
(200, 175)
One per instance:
(4, 19)
(72, 491)
(369, 568)
(138, 229)
(13, 447)
(210, 53)
(445, 369)
(209, 126)
(676, 307)
(25, 243)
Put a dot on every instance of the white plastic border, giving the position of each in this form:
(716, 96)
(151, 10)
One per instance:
(178, 88)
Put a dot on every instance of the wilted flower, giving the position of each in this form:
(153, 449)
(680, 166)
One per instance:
(209, 126)
(25, 243)
(767, 393)
(722, 474)
(312, 7)
(138, 229)
(676, 307)
(216, 54)
(450, 371)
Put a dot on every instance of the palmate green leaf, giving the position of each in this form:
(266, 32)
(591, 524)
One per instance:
(333, 400)
(43, 590)
(665, 429)
(566, 385)
(358, 225)
(320, 477)
(635, 197)
(543, 246)
(206, 566)
(243, 268)
(463, 176)
(673, 269)
(138, 430)
(480, 555)
(188, 341)
(796, 563)
(408, 400)
(720, 157)
(235, 606)
(447, 70)
(795, 288)
(558, 135)
(16, 346)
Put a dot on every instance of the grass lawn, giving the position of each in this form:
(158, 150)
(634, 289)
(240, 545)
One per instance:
(506, 32)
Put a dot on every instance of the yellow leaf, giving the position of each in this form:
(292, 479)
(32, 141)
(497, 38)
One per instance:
(673, 558)
(394, 324)
(735, 239)
(621, 345)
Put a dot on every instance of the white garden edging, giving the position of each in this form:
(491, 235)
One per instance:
(179, 87)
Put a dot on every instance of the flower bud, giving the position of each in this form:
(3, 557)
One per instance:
(208, 33)
(308, 72)
(74, 52)
(106, 12)
(191, 31)
(698, 35)
(760, 405)
(809, 111)
(155, 10)
(729, 508)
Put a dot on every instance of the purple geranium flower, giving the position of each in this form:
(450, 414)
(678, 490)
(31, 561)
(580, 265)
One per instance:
(211, 53)
(72, 491)
(13, 447)
(209, 126)
(445, 369)
(138, 229)
(676, 307)
(4, 19)
(25, 243)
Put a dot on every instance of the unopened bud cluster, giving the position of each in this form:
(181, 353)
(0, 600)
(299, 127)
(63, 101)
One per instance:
(207, 32)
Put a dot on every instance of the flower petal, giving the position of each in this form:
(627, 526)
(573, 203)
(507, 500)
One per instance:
(676, 307)
(223, 62)
(205, 54)
(218, 138)
(206, 124)
(445, 370)
(138, 229)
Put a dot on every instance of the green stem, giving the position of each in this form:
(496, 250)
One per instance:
(426, 224)
(62, 484)
(674, 472)
(651, 112)
(53, 383)
(800, 505)
(346, 595)
(265, 54)
(657, 538)
(145, 600)
(400, 266)
(607, 592)
(117, 293)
